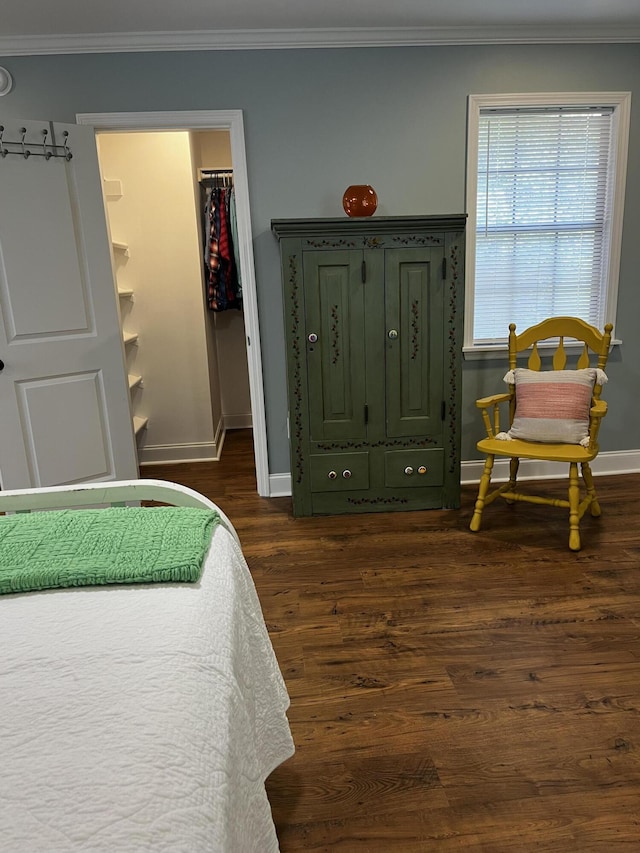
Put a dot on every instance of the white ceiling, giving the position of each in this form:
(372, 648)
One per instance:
(76, 26)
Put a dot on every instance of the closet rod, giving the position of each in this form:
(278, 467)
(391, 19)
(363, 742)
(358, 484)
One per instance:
(213, 174)
(217, 178)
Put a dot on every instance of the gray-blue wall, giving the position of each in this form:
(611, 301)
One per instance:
(319, 120)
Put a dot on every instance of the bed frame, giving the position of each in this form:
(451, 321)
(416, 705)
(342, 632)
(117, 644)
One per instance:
(113, 493)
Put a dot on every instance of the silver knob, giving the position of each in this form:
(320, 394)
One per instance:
(346, 474)
(393, 334)
(332, 475)
(408, 470)
(312, 338)
(422, 469)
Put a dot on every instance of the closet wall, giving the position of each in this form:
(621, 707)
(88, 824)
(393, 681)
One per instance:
(212, 150)
(153, 208)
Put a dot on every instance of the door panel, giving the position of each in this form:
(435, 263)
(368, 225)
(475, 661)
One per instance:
(52, 299)
(334, 312)
(59, 446)
(413, 307)
(64, 403)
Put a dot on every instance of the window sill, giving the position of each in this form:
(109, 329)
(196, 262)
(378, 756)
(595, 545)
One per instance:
(498, 351)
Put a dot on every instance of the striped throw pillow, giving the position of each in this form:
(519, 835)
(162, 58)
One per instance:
(553, 405)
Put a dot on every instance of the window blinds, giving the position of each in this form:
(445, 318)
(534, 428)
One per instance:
(543, 216)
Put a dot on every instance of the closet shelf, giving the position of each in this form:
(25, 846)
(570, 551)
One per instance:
(139, 424)
(119, 256)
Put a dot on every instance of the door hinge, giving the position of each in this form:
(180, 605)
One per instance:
(443, 410)
(366, 414)
(363, 271)
(444, 268)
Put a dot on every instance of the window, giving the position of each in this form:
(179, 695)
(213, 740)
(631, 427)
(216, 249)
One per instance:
(545, 193)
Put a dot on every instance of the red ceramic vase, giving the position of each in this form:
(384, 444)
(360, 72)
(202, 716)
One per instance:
(360, 200)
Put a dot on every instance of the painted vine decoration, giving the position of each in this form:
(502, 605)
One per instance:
(453, 358)
(330, 244)
(413, 240)
(387, 445)
(296, 347)
(415, 330)
(335, 334)
(373, 242)
(373, 501)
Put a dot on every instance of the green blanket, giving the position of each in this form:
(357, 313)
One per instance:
(44, 550)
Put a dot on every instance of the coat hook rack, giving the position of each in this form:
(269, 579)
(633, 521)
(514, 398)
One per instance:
(45, 148)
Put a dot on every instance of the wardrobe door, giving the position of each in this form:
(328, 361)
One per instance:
(334, 338)
(414, 341)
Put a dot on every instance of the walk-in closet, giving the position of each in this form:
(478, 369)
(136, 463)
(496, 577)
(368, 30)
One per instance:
(184, 342)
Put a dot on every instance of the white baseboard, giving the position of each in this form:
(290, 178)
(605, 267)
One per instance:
(165, 454)
(279, 485)
(244, 421)
(611, 462)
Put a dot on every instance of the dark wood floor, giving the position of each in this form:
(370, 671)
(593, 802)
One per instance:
(449, 690)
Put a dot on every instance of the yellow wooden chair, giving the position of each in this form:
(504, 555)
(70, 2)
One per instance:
(531, 435)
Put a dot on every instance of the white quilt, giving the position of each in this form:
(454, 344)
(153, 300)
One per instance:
(140, 718)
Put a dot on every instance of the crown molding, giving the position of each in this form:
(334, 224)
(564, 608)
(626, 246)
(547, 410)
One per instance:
(33, 45)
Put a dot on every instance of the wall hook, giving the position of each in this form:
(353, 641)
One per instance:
(25, 151)
(47, 154)
(67, 154)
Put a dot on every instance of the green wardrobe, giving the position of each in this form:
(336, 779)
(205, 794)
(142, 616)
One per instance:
(373, 316)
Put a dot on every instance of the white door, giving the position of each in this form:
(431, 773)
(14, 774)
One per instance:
(64, 402)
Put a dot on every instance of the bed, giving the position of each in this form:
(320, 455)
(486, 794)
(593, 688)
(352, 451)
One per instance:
(139, 717)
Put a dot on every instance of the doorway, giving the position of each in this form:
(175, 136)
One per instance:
(230, 121)
(187, 366)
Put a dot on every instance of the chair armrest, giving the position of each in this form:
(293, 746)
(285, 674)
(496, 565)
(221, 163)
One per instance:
(487, 402)
(492, 402)
(598, 409)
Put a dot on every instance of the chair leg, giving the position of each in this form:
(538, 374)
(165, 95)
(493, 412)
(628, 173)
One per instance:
(514, 464)
(574, 503)
(482, 494)
(587, 476)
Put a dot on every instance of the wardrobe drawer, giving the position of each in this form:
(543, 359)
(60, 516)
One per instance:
(413, 468)
(339, 472)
